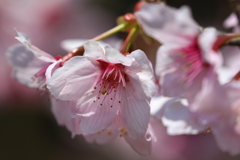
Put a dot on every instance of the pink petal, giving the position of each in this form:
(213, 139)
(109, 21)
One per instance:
(230, 66)
(94, 50)
(25, 65)
(104, 111)
(114, 56)
(166, 24)
(206, 41)
(51, 68)
(231, 21)
(142, 145)
(102, 137)
(227, 139)
(136, 113)
(141, 75)
(173, 85)
(62, 112)
(74, 79)
(36, 51)
(178, 119)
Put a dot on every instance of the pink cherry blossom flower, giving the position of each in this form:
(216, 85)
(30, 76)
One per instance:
(188, 55)
(218, 107)
(105, 85)
(215, 109)
(30, 63)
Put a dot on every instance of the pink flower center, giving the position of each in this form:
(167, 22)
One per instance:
(111, 80)
(191, 62)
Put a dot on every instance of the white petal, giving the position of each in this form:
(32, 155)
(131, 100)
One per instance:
(136, 113)
(73, 79)
(51, 69)
(25, 65)
(36, 51)
(104, 109)
(94, 50)
(180, 120)
(168, 25)
(71, 44)
(157, 104)
(102, 137)
(206, 41)
(114, 56)
(62, 112)
(227, 139)
(141, 75)
(231, 21)
(140, 145)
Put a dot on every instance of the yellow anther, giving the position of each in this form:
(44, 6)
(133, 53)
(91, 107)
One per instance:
(103, 92)
(125, 133)
(122, 129)
(109, 133)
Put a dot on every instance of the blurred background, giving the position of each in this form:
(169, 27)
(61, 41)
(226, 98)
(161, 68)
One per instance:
(28, 128)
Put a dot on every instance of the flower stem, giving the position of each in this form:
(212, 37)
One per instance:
(128, 41)
(111, 31)
(227, 39)
(79, 50)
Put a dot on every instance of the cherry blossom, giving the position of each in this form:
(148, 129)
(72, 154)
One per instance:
(103, 83)
(215, 110)
(188, 54)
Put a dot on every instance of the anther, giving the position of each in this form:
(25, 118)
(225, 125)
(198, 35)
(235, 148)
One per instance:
(111, 99)
(109, 133)
(98, 97)
(95, 87)
(119, 101)
(101, 104)
(122, 129)
(111, 106)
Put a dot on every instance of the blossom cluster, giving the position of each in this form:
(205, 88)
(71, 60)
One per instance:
(103, 91)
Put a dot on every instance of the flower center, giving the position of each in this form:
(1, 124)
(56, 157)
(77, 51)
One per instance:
(111, 80)
(191, 63)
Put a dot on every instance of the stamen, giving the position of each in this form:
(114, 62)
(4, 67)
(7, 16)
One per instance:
(109, 132)
(112, 77)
